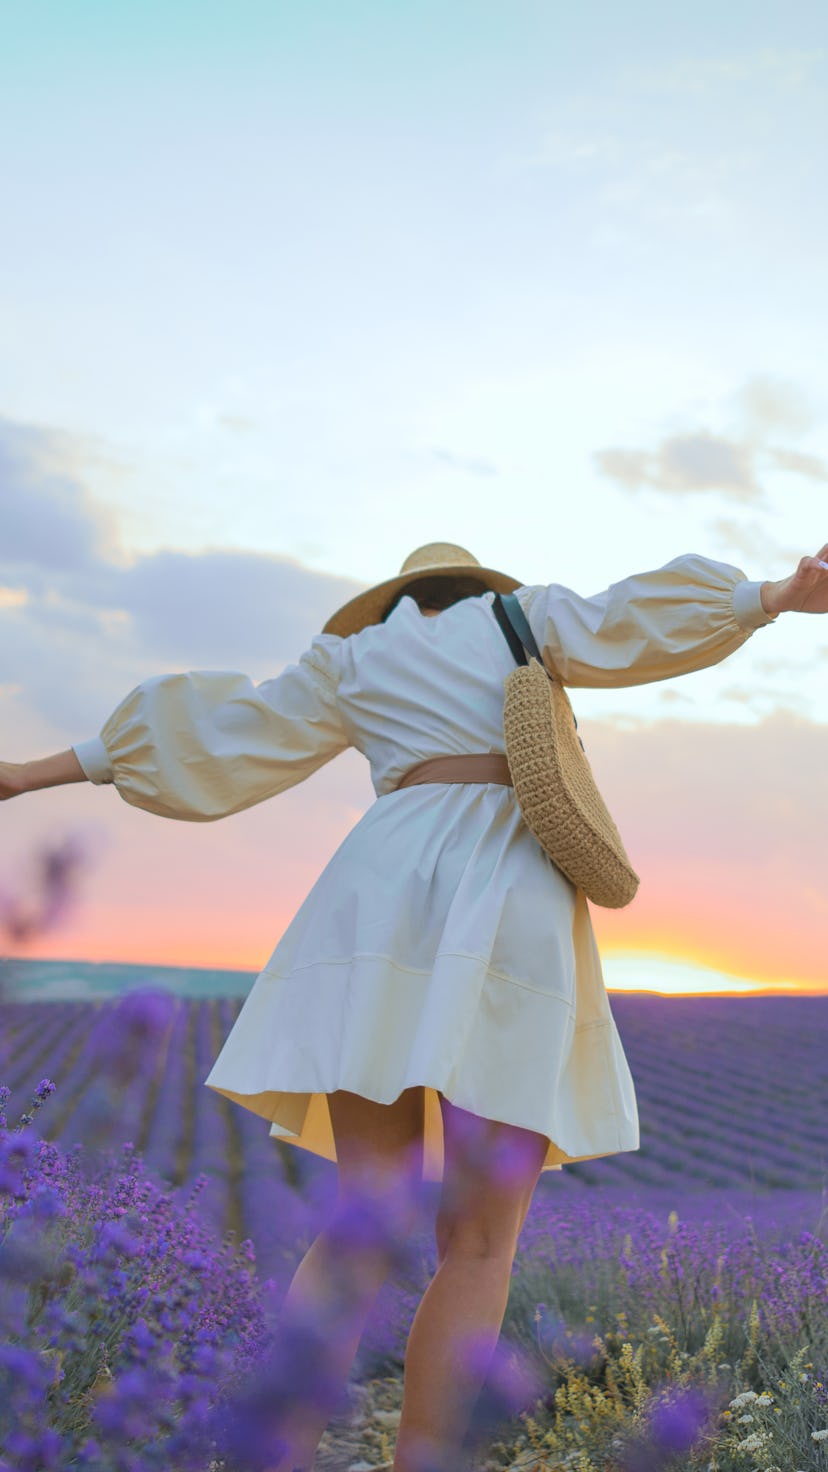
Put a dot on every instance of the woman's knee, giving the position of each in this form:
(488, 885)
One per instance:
(489, 1176)
(483, 1225)
(475, 1240)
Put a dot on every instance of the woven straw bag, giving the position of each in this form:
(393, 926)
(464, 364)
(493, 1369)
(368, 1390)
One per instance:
(554, 785)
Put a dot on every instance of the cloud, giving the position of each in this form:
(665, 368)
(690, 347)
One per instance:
(686, 463)
(750, 540)
(701, 461)
(767, 403)
(13, 598)
(228, 606)
(811, 466)
(80, 627)
(785, 68)
(46, 518)
(559, 149)
(466, 464)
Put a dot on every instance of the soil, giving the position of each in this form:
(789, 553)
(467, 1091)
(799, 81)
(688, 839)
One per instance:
(363, 1437)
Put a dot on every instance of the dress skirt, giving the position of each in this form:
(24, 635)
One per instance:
(440, 947)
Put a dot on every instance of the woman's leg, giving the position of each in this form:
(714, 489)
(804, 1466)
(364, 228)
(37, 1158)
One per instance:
(379, 1151)
(490, 1173)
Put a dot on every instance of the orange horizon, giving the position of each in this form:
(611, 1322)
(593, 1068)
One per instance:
(183, 956)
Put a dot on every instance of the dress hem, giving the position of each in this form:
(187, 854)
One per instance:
(303, 1119)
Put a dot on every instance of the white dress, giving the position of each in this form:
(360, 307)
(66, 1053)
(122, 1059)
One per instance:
(440, 946)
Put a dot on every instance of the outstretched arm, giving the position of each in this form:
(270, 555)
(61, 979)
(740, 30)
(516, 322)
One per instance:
(805, 591)
(686, 616)
(49, 771)
(201, 745)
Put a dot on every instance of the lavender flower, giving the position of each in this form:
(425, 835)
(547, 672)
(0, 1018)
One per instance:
(120, 1312)
(58, 868)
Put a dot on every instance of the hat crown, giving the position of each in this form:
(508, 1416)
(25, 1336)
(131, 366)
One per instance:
(434, 560)
(435, 555)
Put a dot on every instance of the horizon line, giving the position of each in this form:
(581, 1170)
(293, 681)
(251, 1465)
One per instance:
(770, 989)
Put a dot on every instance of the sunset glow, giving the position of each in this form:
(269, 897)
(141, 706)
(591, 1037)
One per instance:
(624, 971)
(330, 289)
(636, 971)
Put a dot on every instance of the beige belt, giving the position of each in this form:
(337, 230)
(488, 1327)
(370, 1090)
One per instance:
(483, 767)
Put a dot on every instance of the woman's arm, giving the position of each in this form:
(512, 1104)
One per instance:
(673, 620)
(805, 591)
(49, 771)
(202, 745)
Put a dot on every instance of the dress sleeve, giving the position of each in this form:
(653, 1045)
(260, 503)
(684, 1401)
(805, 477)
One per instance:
(682, 617)
(202, 745)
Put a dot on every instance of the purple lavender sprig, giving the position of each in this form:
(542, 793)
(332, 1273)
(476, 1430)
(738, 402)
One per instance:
(124, 1322)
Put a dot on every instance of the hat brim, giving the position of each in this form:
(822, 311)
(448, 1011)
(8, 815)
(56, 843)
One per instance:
(369, 607)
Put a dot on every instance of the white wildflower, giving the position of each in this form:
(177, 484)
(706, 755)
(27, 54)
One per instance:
(744, 1419)
(745, 1399)
(753, 1443)
(764, 1399)
(819, 1436)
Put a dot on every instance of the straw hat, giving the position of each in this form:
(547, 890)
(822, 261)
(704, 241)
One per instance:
(435, 559)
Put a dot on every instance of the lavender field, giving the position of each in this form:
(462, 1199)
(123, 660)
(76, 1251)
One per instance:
(695, 1264)
(732, 1094)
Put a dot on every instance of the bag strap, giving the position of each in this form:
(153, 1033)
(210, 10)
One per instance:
(515, 626)
(518, 652)
(519, 636)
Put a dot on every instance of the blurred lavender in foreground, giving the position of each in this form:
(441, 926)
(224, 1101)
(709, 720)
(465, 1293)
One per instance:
(123, 1323)
(43, 898)
(128, 1034)
(511, 1384)
(673, 1425)
(49, 893)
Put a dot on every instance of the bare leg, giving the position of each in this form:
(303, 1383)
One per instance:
(331, 1294)
(465, 1301)
(379, 1155)
(490, 1173)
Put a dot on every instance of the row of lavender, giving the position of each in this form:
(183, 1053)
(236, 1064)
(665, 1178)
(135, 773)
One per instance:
(731, 1094)
(133, 1341)
(637, 1342)
(731, 1090)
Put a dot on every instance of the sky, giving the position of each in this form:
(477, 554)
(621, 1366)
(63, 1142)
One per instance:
(287, 291)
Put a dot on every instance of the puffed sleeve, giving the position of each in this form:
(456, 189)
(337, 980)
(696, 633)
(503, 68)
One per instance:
(682, 617)
(202, 745)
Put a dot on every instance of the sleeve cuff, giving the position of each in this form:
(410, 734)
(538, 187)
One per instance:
(747, 606)
(94, 760)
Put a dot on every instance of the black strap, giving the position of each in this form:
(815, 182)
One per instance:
(519, 636)
(515, 625)
(518, 652)
(517, 618)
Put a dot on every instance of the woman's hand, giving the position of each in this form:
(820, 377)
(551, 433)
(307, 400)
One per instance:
(805, 591)
(49, 771)
(12, 779)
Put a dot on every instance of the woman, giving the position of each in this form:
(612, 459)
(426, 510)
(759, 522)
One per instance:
(436, 1007)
